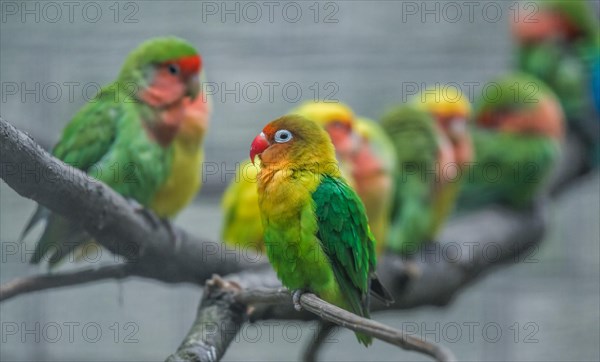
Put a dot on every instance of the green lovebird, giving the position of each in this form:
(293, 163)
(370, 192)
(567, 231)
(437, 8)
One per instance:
(517, 136)
(124, 136)
(557, 44)
(316, 232)
(426, 174)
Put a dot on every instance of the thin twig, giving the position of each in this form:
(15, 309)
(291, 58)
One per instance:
(40, 282)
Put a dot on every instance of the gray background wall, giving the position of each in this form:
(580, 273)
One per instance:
(370, 55)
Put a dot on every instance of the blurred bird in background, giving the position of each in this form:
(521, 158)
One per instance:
(517, 136)
(426, 169)
(373, 170)
(128, 137)
(558, 43)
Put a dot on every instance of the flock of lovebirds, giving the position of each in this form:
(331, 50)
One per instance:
(326, 191)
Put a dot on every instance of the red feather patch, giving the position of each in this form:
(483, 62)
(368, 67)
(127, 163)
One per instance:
(190, 65)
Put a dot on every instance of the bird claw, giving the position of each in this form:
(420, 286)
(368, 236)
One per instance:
(156, 221)
(296, 294)
(147, 214)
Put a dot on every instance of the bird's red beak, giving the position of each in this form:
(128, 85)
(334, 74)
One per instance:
(259, 144)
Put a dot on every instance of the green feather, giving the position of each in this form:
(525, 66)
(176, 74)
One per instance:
(509, 169)
(414, 136)
(344, 234)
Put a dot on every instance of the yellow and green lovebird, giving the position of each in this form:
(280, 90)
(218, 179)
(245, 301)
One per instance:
(367, 161)
(316, 232)
(126, 138)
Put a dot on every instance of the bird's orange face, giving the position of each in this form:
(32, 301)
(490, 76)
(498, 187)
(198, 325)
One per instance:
(171, 81)
(544, 119)
(537, 26)
(292, 141)
(343, 138)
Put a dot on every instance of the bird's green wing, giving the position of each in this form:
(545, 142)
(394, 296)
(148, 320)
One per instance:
(90, 134)
(84, 141)
(509, 169)
(413, 134)
(344, 234)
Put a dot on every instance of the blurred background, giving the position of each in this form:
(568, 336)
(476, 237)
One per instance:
(259, 65)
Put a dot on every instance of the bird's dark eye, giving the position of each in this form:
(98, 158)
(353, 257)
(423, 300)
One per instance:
(283, 136)
(174, 69)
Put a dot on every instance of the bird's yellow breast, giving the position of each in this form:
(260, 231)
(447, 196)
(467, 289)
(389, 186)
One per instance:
(183, 183)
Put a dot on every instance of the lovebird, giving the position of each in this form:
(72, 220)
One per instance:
(317, 236)
(424, 193)
(366, 157)
(125, 136)
(557, 44)
(517, 136)
(367, 161)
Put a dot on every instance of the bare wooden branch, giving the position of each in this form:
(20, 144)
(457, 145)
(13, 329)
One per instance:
(218, 320)
(41, 282)
(226, 298)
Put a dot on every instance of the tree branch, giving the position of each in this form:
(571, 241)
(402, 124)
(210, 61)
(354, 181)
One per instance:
(224, 303)
(41, 282)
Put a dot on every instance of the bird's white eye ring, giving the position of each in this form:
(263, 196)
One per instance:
(283, 136)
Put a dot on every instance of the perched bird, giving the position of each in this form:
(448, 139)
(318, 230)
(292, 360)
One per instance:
(365, 155)
(316, 232)
(426, 170)
(556, 20)
(366, 158)
(242, 226)
(124, 137)
(557, 44)
(517, 136)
